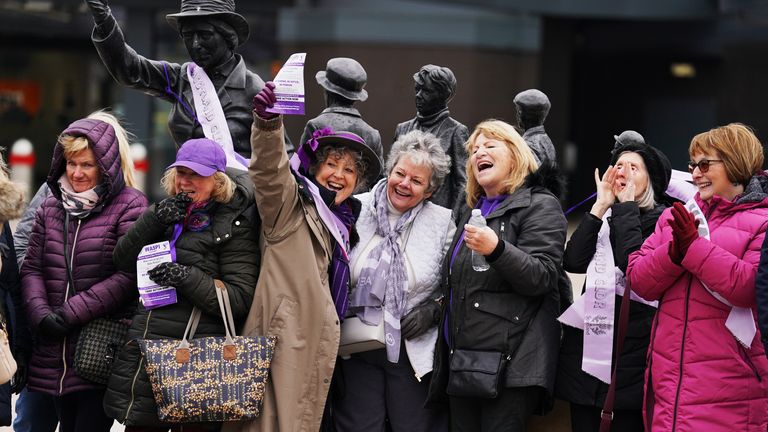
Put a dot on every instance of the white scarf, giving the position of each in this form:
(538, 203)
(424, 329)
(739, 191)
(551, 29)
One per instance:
(740, 322)
(210, 114)
(594, 311)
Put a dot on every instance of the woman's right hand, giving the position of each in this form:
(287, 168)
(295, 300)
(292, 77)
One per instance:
(172, 209)
(265, 99)
(605, 195)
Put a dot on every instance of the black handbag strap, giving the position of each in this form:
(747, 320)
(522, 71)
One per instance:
(606, 415)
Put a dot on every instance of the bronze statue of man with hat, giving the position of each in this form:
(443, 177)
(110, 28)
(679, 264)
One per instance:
(211, 31)
(343, 80)
(434, 87)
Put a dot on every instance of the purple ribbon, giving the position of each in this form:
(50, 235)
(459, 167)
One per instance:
(310, 147)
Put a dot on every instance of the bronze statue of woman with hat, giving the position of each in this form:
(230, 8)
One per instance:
(211, 31)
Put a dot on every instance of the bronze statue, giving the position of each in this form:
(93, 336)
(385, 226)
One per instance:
(211, 31)
(532, 109)
(434, 88)
(343, 80)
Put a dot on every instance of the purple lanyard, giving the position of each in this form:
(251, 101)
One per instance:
(176, 233)
(487, 206)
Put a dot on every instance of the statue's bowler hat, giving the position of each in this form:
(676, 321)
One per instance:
(345, 77)
(219, 9)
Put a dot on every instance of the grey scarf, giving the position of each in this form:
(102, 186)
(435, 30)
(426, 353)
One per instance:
(383, 278)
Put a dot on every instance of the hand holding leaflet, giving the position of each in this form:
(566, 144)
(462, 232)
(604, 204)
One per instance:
(289, 89)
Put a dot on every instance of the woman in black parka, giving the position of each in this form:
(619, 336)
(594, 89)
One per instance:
(508, 312)
(632, 188)
(215, 210)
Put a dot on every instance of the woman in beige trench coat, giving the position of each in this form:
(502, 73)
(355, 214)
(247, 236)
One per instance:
(293, 299)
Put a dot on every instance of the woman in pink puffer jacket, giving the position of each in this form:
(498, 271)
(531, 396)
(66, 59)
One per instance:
(699, 377)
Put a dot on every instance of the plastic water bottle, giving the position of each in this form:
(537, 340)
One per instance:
(478, 260)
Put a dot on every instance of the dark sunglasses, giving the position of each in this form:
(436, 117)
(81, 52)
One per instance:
(703, 165)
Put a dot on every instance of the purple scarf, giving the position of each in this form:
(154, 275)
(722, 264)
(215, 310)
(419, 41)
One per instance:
(381, 287)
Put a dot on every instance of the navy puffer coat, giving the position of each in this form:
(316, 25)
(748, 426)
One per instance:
(99, 289)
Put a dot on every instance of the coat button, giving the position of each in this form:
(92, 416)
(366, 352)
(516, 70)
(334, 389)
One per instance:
(218, 239)
(226, 235)
(237, 223)
(477, 305)
(517, 318)
(325, 380)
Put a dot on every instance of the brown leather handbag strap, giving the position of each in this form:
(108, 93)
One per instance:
(606, 415)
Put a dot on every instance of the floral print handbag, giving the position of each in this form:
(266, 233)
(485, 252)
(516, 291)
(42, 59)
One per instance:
(217, 378)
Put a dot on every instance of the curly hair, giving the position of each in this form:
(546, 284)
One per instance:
(338, 152)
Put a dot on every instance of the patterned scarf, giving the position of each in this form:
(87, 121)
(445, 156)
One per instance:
(339, 268)
(383, 278)
(199, 215)
(80, 204)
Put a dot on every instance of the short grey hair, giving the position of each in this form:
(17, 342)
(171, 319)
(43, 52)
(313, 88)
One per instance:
(423, 149)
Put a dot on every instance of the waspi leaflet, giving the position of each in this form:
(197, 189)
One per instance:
(289, 86)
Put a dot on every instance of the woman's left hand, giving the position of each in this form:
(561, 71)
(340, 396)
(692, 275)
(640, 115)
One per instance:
(483, 240)
(169, 274)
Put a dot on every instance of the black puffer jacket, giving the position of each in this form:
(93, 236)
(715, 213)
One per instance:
(629, 228)
(227, 250)
(513, 307)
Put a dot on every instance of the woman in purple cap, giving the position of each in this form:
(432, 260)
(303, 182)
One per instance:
(308, 214)
(210, 219)
(68, 276)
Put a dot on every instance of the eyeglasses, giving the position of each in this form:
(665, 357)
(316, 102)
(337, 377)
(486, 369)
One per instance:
(703, 165)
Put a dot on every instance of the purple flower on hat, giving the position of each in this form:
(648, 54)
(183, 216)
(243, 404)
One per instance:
(312, 145)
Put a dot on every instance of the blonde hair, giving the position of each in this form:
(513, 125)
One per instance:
(75, 144)
(223, 190)
(523, 161)
(738, 147)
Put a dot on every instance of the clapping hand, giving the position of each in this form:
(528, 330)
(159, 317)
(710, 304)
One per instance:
(99, 10)
(265, 99)
(685, 230)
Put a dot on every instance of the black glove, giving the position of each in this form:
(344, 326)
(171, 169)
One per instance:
(53, 327)
(172, 209)
(420, 319)
(99, 10)
(169, 274)
(19, 379)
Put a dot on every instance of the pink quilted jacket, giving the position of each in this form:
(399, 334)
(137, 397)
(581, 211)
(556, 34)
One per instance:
(701, 378)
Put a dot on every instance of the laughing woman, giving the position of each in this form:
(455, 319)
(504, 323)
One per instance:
(706, 366)
(308, 213)
(502, 320)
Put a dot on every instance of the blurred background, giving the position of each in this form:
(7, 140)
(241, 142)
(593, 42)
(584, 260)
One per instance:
(668, 69)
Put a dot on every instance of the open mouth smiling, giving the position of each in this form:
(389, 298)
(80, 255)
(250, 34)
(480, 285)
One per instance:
(335, 186)
(484, 165)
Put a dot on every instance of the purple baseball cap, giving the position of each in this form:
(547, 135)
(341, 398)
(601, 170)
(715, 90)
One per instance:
(202, 155)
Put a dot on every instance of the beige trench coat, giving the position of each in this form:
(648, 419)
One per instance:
(292, 299)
